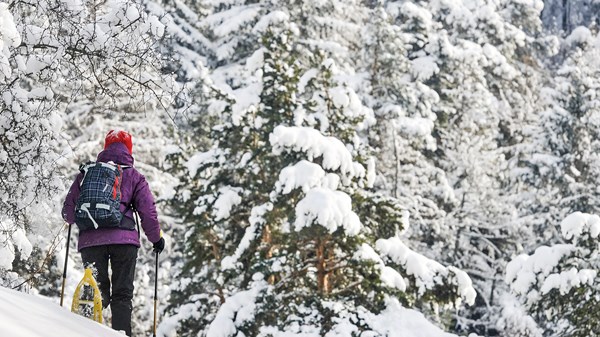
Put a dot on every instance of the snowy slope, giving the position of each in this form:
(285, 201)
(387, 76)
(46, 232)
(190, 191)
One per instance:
(24, 315)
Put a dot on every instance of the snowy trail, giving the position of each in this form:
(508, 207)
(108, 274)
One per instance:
(24, 315)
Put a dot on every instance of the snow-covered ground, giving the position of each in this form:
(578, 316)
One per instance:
(24, 315)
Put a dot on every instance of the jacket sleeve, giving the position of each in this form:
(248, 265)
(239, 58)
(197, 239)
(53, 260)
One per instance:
(143, 201)
(68, 210)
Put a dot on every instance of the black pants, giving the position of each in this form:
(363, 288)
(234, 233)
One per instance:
(122, 261)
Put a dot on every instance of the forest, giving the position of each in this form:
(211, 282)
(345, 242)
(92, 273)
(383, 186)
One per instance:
(321, 167)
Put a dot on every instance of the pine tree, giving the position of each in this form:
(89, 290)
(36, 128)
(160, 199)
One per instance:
(457, 84)
(562, 166)
(560, 174)
(404, 131)
(275, 240)
(557, 284)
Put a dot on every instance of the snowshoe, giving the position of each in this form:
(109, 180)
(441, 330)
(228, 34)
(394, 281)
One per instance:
(87, 300)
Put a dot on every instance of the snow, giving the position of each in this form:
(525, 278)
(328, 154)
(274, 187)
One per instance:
(237, 309)
(424, 67)
(414, 126)
(25, 315)
(227, 199)
(397, 321)
(256, 219)
(305, 175)
(566, 280)
(427, 272)
(542, 268)
(393, 321)
(574, 225)
(12, 239)
(328, 208)
(389, 276)
(310, 141)
(515, 320)
(579, 35)
(270, 19)
(9, 37)
(202, 158)
(522, 272)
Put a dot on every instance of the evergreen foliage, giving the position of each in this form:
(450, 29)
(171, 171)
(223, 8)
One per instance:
(273, 224)
(557, 283)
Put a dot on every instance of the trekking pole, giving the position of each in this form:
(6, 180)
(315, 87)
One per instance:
(62, 291)
(155, 294)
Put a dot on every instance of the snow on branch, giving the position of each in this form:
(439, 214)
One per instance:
(203, 159)
(9, 37)
(389, 276)
(12, 239)
(310, 141)
(577, 224)
(566, 280)
(256, 219)
(553, 267)
(427, 273)
(328, 208)
(237, 309)
(524, 271)
(269, 20)
(227, 199)
(305, 175)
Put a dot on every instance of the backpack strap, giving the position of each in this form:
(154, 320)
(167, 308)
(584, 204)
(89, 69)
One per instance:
(135, 217)
(131, 207)
(83, 168)
(137, 222)
(85, 208)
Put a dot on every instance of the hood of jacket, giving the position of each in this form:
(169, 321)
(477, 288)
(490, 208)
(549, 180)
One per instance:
(118, 153)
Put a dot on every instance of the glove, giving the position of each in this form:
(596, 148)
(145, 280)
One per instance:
(159, 245)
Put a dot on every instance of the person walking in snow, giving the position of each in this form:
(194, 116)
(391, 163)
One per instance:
(117, 245)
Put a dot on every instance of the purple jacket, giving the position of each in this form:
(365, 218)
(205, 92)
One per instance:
(134, 190)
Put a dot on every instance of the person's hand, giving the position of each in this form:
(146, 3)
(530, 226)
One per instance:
(159, 245)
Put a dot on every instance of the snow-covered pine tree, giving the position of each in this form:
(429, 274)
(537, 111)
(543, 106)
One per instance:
(564, 16)
(558, 284)
(562, 164)
(275, 242)
(333, 27)
(466, 59)
(403, 135)
(560, 171)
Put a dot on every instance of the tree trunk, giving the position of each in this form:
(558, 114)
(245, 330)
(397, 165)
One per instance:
(323, 276)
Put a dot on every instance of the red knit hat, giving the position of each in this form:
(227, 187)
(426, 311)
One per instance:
(118, 137)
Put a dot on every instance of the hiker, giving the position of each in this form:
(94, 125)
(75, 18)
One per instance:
(100, 244)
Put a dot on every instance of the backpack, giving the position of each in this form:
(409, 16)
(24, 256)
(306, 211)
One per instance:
(100, 196)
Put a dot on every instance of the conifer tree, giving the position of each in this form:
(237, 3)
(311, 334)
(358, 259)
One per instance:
(275, 240)
(462, 95)
(562, 166)
(558, 284)
(560, 171)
